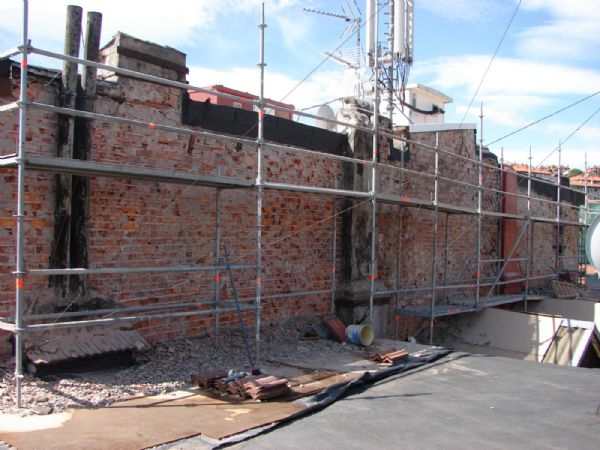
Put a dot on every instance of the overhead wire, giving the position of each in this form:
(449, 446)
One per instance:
(535, 122)
(490, 63)
(569, 136)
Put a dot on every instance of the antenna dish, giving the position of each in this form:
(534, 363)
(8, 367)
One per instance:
(592, 245)
(327, 114)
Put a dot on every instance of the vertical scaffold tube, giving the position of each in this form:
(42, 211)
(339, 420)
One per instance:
(20, 272)
(217, 255)
(558, 211)
(259, 180)
(479, 210)
(529, 242)
(373, 265)
(436, 216)
(333, 257)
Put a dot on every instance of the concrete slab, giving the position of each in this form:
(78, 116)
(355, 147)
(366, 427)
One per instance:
(463, 401)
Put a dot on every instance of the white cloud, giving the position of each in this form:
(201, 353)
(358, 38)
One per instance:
(562, 129)
(546, 154)
(472, 11)
(144, 19)
(175, 23)
(296, 29)
(513, 88)
(503, 109)
(508, 76)
(560, 8)
(572, 33)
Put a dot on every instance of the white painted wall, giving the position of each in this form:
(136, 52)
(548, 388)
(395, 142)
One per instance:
(424, 98)
(570, 309)
(528, 335)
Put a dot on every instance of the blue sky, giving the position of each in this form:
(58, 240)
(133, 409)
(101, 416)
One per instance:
(548, 59)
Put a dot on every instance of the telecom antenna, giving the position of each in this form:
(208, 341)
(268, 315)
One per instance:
(348, 57)
(395, 60)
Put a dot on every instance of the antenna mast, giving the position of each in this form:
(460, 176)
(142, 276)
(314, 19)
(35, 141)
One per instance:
(350, 57)
(399, 55)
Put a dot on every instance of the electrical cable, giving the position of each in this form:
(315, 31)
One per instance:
(490, 63)
(543, 118)
(569, 136)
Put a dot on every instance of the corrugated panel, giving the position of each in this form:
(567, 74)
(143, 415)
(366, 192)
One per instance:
(564, 345)
(52, 346)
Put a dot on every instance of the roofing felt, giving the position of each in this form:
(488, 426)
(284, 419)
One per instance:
(462, 401)
(239, 122)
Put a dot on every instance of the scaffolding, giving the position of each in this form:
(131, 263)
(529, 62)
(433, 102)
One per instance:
(484, 288)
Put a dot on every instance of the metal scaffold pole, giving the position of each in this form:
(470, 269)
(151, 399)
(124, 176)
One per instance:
(585, 191)
(333, 256)
(446, 250)
(558, 211)
(373, 268)
(479, 210)
(529, 242)
(501, 199)
(397, 284)
(259, 180)
(20, 272)
(436, 215)
(582, 259)
(399, 256)
(217, 278)
(391, 80)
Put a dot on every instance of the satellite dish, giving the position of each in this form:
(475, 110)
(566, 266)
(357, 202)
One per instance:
(592, 245)
(327, 114)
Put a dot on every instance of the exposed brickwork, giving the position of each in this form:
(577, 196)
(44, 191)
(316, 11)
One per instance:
(139, 223)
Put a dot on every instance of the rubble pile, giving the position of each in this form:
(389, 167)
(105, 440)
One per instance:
(167, 367)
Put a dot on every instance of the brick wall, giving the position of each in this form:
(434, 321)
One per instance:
(456, 252)
(134, 223)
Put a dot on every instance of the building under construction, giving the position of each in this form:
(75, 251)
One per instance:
(126, 201)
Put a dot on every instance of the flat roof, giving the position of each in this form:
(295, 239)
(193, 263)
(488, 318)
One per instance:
(461, 401)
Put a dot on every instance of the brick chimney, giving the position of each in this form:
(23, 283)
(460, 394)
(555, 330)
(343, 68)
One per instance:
(131, 53)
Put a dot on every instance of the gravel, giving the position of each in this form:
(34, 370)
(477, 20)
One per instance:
(166, 367)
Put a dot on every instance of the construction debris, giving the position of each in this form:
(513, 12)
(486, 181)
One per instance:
(207, 380)
(266, 387)
(389, 356)
(241, 385)
(336, 327)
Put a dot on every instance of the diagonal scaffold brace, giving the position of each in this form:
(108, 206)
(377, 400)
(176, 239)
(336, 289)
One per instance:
(234, 293)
